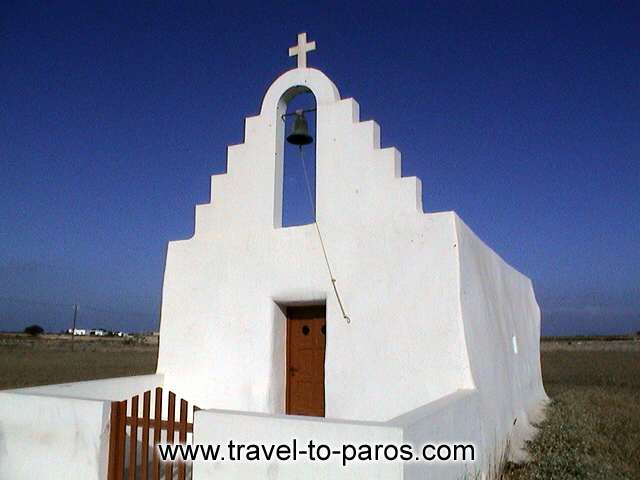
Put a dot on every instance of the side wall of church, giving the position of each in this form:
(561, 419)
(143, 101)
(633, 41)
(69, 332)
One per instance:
(502, 329)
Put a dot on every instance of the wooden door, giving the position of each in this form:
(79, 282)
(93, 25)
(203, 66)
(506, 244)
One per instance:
(306, 333)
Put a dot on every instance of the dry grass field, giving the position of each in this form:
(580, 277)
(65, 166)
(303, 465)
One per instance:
(28, 361)
(592, 430)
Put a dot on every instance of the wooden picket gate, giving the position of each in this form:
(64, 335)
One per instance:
(126, 461)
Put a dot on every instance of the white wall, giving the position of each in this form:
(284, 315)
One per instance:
(222, 331)
(498, 304)
(115, 389)
(218, 427)
(451, 419)
(62, 431)
(49, 438)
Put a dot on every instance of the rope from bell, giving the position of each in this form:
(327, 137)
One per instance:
(324, 250)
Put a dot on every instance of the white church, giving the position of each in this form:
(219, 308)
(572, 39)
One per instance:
(375, 323)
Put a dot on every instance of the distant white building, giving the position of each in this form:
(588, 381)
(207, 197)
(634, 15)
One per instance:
(98, 332)
(78, 332)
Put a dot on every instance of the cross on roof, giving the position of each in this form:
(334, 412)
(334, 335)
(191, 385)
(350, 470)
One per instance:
(301, 49)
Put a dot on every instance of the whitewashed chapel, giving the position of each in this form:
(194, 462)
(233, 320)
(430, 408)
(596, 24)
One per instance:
(377, 322)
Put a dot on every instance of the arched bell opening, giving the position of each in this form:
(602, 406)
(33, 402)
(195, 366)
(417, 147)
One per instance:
(296, 157)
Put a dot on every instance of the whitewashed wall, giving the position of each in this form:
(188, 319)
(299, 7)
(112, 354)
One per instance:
(62, 431)
(115, 389)
(45, 437)
(218, 427)
(502, 331)
(451, 419)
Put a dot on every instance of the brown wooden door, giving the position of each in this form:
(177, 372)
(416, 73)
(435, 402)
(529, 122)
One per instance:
(306, 332)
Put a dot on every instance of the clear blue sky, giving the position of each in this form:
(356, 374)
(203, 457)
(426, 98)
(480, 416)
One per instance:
(524, 117)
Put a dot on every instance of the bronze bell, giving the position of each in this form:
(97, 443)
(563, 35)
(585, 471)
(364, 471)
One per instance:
(300, 133)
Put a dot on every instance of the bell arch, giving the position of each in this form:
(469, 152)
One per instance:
(274, 104)
(290, 83)
(298, 178)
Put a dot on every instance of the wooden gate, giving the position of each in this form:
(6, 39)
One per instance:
(126, 460)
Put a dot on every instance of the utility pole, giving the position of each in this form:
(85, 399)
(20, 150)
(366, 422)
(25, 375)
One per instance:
(73, 331)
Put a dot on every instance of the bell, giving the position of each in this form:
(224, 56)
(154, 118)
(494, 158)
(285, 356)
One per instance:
(300, 133)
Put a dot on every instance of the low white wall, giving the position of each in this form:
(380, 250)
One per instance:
(62, 431)
(113, 389)
(53, 438)
(451, 419)
(220, 426)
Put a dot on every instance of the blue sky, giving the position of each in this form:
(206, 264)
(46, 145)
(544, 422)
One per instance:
(523, 117)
